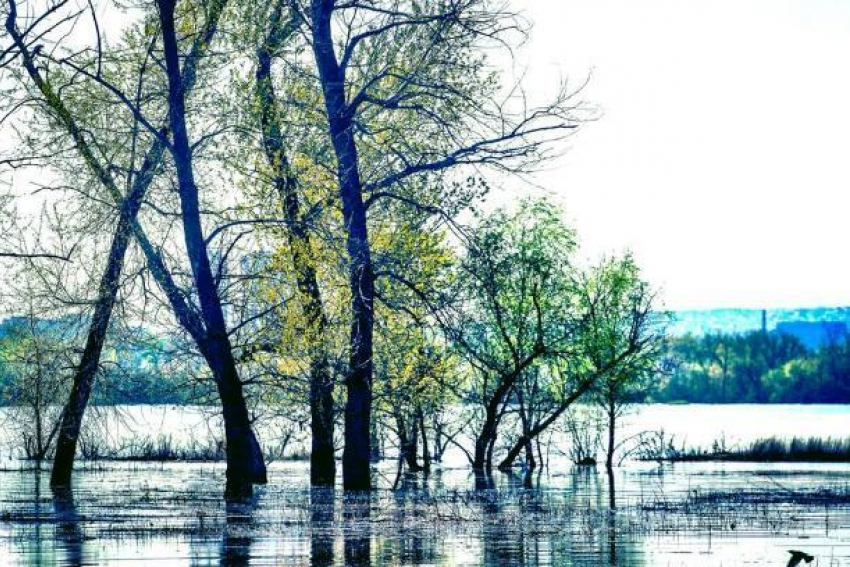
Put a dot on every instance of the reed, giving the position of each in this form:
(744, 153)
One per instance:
(766, 450)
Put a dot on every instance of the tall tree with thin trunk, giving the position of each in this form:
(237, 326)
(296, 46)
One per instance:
(299, 240)
(245, 463)
(624, 341)
(407, 97)
(358, 382)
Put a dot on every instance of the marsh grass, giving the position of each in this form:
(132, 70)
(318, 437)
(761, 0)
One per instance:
(765, 450)
(162, 448)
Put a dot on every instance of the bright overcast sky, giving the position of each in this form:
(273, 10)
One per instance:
(722, 154)
(722, 158)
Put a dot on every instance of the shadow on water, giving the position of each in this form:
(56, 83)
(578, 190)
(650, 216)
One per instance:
(612, 537)
(417, 548)
(612, 517)
(484, 480)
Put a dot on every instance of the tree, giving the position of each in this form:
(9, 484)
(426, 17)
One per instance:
(244, 458)
(206, 325)
(35, 359)
(623, 340)
(129, 206)
(405, 84)
(514, 309)
(413, 367)
(299, 240)
(615, 345)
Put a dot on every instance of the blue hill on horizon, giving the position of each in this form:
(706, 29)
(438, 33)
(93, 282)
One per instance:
(735, 320)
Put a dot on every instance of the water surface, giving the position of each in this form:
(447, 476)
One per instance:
(683, 514)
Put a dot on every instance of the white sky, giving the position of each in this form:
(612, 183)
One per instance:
(722, 154)
(722, 158)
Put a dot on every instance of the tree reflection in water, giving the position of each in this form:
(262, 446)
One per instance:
(322, 507)
(580, 517)
(69, 534)
(237, 535)
(358, 530)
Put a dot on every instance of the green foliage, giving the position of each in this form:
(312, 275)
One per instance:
(623, 334)
(755, 367)
(516, 285)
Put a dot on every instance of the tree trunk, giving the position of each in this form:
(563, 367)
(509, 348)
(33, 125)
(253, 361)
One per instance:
(611, 410)
(413, 448)
(438, 443)
(483, 454)
(531, 434)
(530, 462)
(322, 464)
(358, 408)
(524, 441)
(486, 439)
(356, 473)
(612, 422)
(322, 461)
(508, 461)
(407, 440)
(490, 449)
(84, 375)
(426, 452)
(483, 479)
(377, 448)
(245, 464)
(482, 442)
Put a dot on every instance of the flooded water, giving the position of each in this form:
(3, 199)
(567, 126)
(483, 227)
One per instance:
(683, 514)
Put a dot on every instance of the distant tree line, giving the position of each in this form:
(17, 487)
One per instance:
(36, 362)
(754, 367)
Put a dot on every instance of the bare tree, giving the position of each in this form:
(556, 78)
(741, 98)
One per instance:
(244, 457)
(35, 359)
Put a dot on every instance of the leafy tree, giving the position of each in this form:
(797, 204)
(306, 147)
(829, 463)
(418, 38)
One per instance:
(623, 342)
(514, 309)
(407, 97)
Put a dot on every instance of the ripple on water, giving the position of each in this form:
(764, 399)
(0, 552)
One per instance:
(684, 515)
